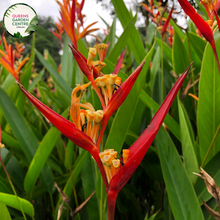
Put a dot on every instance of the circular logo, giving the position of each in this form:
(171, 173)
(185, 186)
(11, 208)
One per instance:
(20, 20)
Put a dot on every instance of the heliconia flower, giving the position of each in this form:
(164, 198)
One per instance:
(58, 32)
(69, 20)
(201, 25)
(137, 151)
(158, 17)
(121, 169)
(79, 8)
(7, 60)
(84, 137)
(19, 49)
(164, 28)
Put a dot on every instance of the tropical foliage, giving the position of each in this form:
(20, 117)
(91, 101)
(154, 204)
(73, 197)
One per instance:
(119, 129)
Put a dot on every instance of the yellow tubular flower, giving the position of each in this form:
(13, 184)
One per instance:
(110, 162)
(101, 50)
(98, 65)
(91, 55)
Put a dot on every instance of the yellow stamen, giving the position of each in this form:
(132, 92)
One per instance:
(92, 54)
(1, 145)
(96, 124)
(125, 155)
(193, 96)
(101, 50)
(110, 163)
(75, 104)
(90, 117)
(98, 65)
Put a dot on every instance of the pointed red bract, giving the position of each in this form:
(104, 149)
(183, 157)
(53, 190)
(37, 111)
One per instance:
(197, 20)
(82, 63)
(118, 98)
(217, 19)
(163, 31)
(65, 126)
(81, 60)
(201, 25)
(142, 144)
(119, 63)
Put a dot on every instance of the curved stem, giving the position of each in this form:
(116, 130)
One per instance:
(111, 196)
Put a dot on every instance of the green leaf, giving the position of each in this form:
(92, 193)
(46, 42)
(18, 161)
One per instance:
(182, 197)
(187, 141)
(122, 41)
(24, 135)
(134, 41)
(68, 189)
(12, 201)
(122, 121)
(36, 80)
(89, 185)
(111, 37)
(166, 50)
(209, 104)
(56, 76)
(40, 158)
(198, 44)
(67, 62)
(4, 212)
(180, 55)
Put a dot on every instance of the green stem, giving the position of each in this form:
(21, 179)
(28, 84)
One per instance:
(161, 69)
(190, 57)
(51, 199)
(71, 175)
(12, 186)
(101, 201)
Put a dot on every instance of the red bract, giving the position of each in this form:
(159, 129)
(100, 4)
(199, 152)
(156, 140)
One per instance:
(163, 31)
(118, 65)
(138, 150)
(201, 25)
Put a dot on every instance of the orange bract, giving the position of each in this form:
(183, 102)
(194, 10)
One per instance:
(72, 20)
(7, 59)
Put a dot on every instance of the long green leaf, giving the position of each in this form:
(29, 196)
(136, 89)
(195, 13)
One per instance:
(24, 135)
(4, 212)
(182, 197)
(89, 185)
(209, 104)
(180, 56)
(56, 76)
(187, 142)
(134, 41)
(197, 43)
(12, 201)
(40, 158)
(122, 41)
